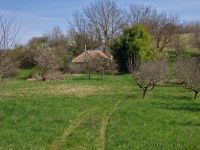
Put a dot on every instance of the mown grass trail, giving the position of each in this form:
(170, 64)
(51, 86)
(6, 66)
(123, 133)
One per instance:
(97, 114)
(73, 126)
(104, 125)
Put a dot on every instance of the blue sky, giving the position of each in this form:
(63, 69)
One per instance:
(39, 16)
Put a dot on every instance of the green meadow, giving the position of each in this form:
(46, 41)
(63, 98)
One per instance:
(109, 113)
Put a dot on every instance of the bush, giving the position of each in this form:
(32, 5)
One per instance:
(8, 65)
(25, 56)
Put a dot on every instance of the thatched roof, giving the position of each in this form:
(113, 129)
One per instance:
(105, 49)
(89, 54)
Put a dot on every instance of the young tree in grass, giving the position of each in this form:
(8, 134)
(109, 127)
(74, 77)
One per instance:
(188, 72)
(149, 75)
(95, 65)
(133, 47)
(48, 60)
(99, 65)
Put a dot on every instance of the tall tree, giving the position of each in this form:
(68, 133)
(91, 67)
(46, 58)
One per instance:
(8, 36)
(140, 14)
(163, 27)
(101, 20)
(56, 38)
(133, 47)
(9, 31)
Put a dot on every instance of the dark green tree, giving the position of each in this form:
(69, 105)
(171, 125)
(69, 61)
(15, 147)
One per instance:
(133, 47)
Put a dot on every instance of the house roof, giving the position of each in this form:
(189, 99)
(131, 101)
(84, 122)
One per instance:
(89, 54)
(105, 49)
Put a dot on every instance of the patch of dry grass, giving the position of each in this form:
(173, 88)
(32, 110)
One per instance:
(57, 89)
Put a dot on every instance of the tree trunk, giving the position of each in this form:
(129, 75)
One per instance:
(89, 75)
(43, 79)
(153, 87)
(103, 75)
(130, 64)
(70, 75)
(195, 95)
(144, 92)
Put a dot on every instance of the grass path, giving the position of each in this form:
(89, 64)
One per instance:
(72, 128)
(104, 125)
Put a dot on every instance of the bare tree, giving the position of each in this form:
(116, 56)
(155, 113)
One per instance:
(82, 33)
(188, 72)
(163, 27)
(56, 38)
(140, 14)
(99, 65)
(9, 31)
(197, 35)
(101, 21)
(8, 36)
(179, 44)
(149, 75)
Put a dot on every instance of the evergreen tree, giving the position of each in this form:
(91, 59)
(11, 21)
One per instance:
(133, 47)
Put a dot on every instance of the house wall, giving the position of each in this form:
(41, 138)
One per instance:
(77, 67)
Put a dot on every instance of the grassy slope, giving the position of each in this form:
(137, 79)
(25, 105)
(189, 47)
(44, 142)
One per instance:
(79, 113)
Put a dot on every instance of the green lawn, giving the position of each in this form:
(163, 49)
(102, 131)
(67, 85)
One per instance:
(82, 114)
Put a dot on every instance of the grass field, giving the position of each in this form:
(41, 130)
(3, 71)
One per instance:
(82, 114)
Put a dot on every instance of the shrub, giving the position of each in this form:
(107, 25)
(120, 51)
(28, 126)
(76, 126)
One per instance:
(8, 66)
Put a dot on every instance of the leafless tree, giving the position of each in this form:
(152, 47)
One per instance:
(197, 35)
(56, 38)
(163, 27)
(188, 72)
(149, 75)
(140, 14)
(9, 31)
(80, 32)
(101, 21)
(190, 26)
(179, 44)
(79, 23)
(99, 65)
